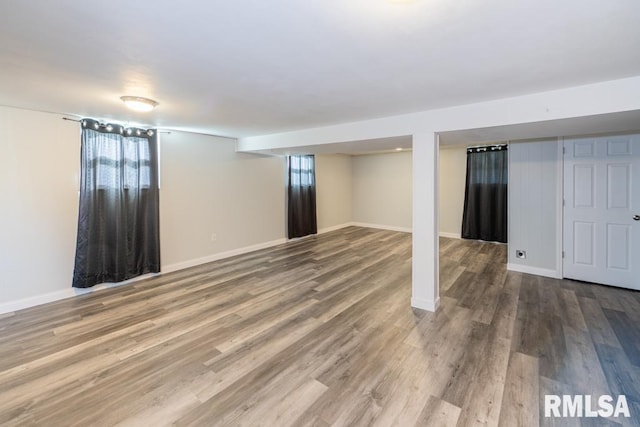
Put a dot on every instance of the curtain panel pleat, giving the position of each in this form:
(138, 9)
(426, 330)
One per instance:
(301, 196)
(485, 199)
(118, 226)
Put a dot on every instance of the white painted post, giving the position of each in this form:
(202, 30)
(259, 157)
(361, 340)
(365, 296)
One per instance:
(425, 277)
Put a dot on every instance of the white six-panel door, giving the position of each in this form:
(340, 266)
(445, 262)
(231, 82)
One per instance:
(602, 210)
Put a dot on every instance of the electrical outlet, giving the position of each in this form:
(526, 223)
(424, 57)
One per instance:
(521, 254)
(214, 237)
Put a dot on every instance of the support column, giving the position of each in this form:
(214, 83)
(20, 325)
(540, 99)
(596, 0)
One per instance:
(425, 269)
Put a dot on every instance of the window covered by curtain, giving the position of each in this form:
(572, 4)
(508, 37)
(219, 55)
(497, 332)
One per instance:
(301, 196)
(118, 226)
(485, 199)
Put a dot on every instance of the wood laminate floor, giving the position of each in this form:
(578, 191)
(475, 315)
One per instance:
(321, 332)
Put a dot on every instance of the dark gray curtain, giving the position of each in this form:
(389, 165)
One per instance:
(301, 196)
(485, 197)
(118, 226)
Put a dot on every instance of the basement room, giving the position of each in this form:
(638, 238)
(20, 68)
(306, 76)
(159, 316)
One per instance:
(362, 213)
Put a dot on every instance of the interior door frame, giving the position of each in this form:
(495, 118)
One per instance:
(561, 201)
(560, 210)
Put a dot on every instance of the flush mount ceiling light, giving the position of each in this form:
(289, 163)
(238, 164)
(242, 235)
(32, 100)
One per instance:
(138, 103)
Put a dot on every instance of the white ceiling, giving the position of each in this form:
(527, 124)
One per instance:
(251, 67)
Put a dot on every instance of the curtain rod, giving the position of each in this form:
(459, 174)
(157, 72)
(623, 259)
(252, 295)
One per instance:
(488, 146)
(78, 121)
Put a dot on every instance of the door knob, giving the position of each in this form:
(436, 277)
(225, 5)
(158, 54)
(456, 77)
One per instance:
(636, 217)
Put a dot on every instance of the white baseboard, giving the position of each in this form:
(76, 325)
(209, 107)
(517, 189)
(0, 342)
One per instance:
(321, 231)
(20, 304)
(16, 305)
(534, 270)
(221, 255)
(383, 227)
(450, 235)
(10, 306)
(334, 227)
(424, 304)
(352, 224)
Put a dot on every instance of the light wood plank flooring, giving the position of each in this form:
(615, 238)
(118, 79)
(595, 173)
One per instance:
(321, 332)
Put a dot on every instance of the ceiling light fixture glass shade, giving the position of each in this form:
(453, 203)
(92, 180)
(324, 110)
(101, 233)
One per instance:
(138, 103)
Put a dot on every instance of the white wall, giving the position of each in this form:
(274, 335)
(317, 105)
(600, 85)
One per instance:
(41, 223)
(214, 202)
(382, 190)
(334, 194)
(533, 205)
(453, 172)
(207, 188)
(569, 106)
(39, 173)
